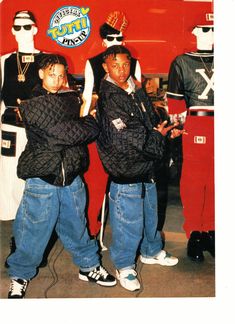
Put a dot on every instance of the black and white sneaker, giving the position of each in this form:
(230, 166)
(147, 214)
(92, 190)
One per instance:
(17, 288)
(99, 276)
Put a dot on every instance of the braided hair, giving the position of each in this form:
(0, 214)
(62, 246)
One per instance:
(49, 60)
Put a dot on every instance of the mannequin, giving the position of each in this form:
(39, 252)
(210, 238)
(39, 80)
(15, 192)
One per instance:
(17, 82)
(111, 33)
(191, 98)
(19, 76)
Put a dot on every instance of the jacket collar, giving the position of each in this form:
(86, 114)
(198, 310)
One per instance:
(130, 82)
(38, 90)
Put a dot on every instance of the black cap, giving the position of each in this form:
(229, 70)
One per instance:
(24, 14)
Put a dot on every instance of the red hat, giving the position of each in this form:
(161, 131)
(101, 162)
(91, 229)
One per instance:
(206, 21)
(117, 20)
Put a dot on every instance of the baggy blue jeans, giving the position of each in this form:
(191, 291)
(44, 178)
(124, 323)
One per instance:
(133, 220)
(43, 208)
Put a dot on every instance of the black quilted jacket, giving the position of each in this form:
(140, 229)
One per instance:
(129, 148)
(56, 150)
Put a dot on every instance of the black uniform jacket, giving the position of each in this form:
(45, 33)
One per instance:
(56, 150)
(129, 147)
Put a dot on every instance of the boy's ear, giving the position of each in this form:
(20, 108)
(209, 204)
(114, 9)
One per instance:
(41, 73)
(105, 67)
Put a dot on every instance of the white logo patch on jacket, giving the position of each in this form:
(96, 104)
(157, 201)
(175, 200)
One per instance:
(119, 124)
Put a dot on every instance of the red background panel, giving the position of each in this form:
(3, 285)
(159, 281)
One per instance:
(158, 29)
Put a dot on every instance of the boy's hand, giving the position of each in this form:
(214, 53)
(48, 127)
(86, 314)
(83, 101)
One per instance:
(93, 113)
(17, 110)
(177, 132)
(164, 130)
(174, 131)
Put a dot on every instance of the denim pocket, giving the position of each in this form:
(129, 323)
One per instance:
(132, 190)
(112, 198)
(37, 203)
(126, 202)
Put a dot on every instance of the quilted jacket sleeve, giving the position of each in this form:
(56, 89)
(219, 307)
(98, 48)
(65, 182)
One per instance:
(56, 119)
(84, 130)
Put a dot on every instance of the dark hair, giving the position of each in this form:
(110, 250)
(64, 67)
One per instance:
(105, 30)
(116, 49)
(52, 59)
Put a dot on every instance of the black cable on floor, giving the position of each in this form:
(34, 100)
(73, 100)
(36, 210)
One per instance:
(53, 272)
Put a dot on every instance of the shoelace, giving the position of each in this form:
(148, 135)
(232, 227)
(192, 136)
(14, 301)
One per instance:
(131, 274)
(17, 288)
(163, 255)
(102, 271)
(168, 255)
(98, 272)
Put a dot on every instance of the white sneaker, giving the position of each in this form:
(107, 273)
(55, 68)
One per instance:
(163, 258)
(128, 279)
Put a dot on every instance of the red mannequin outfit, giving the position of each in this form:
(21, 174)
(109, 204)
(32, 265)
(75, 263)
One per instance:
(191, 89)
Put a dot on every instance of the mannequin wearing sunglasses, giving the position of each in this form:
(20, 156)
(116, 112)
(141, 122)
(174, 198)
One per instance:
(191, 97)
(111, 33)
(19, 76)
(25, 27)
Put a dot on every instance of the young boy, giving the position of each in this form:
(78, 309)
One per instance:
(52, 164)
(130, 145)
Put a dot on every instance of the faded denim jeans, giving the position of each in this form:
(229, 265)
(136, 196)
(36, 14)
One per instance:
(42, 208)
(133, 219)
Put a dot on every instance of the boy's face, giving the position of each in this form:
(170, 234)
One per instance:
(118, 68)
(53, 77)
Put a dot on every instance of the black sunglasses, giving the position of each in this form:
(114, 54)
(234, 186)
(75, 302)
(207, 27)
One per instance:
(111, 38)
(18, 27)
(206, 29)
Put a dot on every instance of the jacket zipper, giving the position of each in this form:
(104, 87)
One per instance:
(136, 104)
(63, 173)
(141, 108)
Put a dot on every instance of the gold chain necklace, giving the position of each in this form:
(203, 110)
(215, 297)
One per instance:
(209, 71)
(22, 72)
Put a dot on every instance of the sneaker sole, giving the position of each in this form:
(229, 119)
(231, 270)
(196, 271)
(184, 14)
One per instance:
(101, 283)
(163, 263)
(135, 289)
